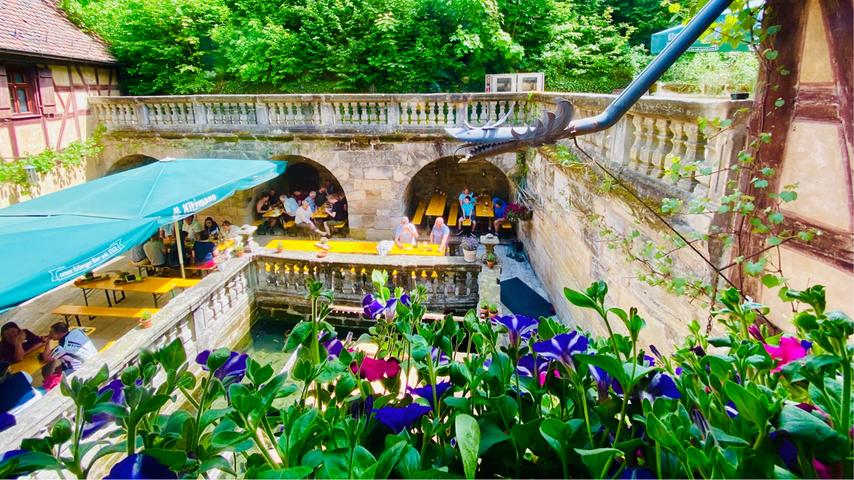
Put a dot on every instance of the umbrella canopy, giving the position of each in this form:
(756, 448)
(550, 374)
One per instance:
(662, 39)
(52, 239)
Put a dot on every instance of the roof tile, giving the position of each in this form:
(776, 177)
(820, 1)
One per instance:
(37, 27)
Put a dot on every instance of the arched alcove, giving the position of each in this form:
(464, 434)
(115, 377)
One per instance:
(129, 162)
(448, 175)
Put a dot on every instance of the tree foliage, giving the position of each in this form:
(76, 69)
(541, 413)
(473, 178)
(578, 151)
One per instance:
(186, 46)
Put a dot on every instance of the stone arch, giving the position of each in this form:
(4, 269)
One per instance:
(449, 175)
(129, 162)
(306, 174)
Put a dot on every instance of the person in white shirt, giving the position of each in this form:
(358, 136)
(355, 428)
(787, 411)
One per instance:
(303, 219)
(405, 233)
(227, 230)
(290, 205)
(73, 350)
(192, 227)
(155, 251)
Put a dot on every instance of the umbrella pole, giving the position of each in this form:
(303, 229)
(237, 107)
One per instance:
(177, 233)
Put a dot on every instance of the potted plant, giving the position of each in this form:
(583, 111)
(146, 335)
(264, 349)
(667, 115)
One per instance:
(145, 320)
(238, 250)
(484, 309)
(490, 259)
(469, 247)
(493, 310)
(517, 211)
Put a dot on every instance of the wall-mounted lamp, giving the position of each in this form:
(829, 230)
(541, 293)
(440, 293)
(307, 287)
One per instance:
(483, 173)
(32, 174)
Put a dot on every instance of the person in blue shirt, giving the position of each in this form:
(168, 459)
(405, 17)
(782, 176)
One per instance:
(499, 208)
(204, 250)
(15, 388)
(467, 208)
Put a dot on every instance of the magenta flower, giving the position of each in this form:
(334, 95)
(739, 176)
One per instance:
(790, 349)
(373, 370)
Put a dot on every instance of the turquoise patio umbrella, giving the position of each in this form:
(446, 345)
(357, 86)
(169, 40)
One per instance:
(47, 241)
(660, 40)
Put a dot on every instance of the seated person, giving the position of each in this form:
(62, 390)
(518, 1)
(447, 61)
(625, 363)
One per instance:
(322, 197)
(212, 227)
(192, 227)
(227, 231)
(172, 258)
(465, 193)
(263, 204)
(499, 208)
(155, 251)
(15, 388)
(312, 200)
(467, 208)
(204, 250)
(337, 213)
(440, 233)
(290, 205)
(137, 254)
(274, 197)
(405, 233)
(303, 218)
(17, 342)
(271, 227)
(73, 349)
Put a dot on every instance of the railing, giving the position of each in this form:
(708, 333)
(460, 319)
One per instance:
(204, 317)
(641, 144)
(451, 283)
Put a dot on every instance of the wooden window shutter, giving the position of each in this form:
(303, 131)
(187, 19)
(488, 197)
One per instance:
(46, 93)
(5, 100)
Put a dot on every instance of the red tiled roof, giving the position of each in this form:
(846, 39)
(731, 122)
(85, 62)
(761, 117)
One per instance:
(38, 28)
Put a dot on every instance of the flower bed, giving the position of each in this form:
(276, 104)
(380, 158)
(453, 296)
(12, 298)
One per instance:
(508, 397)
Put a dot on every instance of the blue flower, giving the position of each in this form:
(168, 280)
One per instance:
(99, 420)
(561, 348)
(439, 357)
(661, 385)
(518, 327)
(7, 420)
(333, 347)
(730, 409)
(401, 418)
(786, 449)
(371, 307)
(11, 454)
(639, 473)
(530, 366)
(231, 371)
(604, 381)
(139, 466)
(404, 299)
(426, 392)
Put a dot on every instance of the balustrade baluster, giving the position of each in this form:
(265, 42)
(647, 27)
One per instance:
(661, 146)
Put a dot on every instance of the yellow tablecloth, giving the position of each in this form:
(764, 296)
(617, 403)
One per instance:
(362, 248)
(436, 207)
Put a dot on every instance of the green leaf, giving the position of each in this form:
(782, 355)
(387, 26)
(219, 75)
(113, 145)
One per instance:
(298, 335)
(490, 435)
(808, 428)
(579, 299)
(286, 473)
(788, 195)
(755, 268)
(596, 459)
(468, 441)
(749, 406)
(611, 365)
(61, 431)
(390, 456)
(770, 280)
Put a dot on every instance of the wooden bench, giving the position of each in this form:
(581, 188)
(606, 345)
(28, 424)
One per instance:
(68, 311)
(507, 226)
(257, 223)
(186, 282)
(466, 223)
(453, 213)
(419, 213)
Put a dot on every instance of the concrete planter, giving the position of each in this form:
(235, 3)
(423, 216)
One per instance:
(470, 255)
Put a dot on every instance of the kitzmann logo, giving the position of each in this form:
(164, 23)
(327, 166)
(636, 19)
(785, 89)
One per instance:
(194, 205)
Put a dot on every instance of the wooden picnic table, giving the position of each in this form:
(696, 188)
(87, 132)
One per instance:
(31, 363)
(358, 247)
(156, 286)
(273, 213)
(222, 246)
(319, 214)
(436, 207)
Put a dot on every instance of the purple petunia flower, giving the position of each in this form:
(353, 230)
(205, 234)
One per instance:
(530, 366)
(661, 385)
(404, 299)
(648, 361)
(785, 448)
(730, 409)
(518, 327)
(371, 307)
(603, 381)
(139, 466)
(655, 351)
(426, 392)
(333, 347)
(7, 420)
(232, 371)
(99, 420)
(401, 418)
(639, 473)
(561, 348)
(439, 357)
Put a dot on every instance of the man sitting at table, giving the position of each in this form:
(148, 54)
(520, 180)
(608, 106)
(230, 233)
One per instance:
(303, 219)
(465, 193)
(16, 388)
(405, 233)
(499, 208)
(155, 251)
(227, 231)
(204, 250)
(440, 233)
(172, 258)
(17, 342)
(322, 196)
(290, 204)
(73, 349)
(337, 213)
(192, 227)
(467, 208)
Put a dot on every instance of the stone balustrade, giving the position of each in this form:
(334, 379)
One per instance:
(450, 282)
(640, 146)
